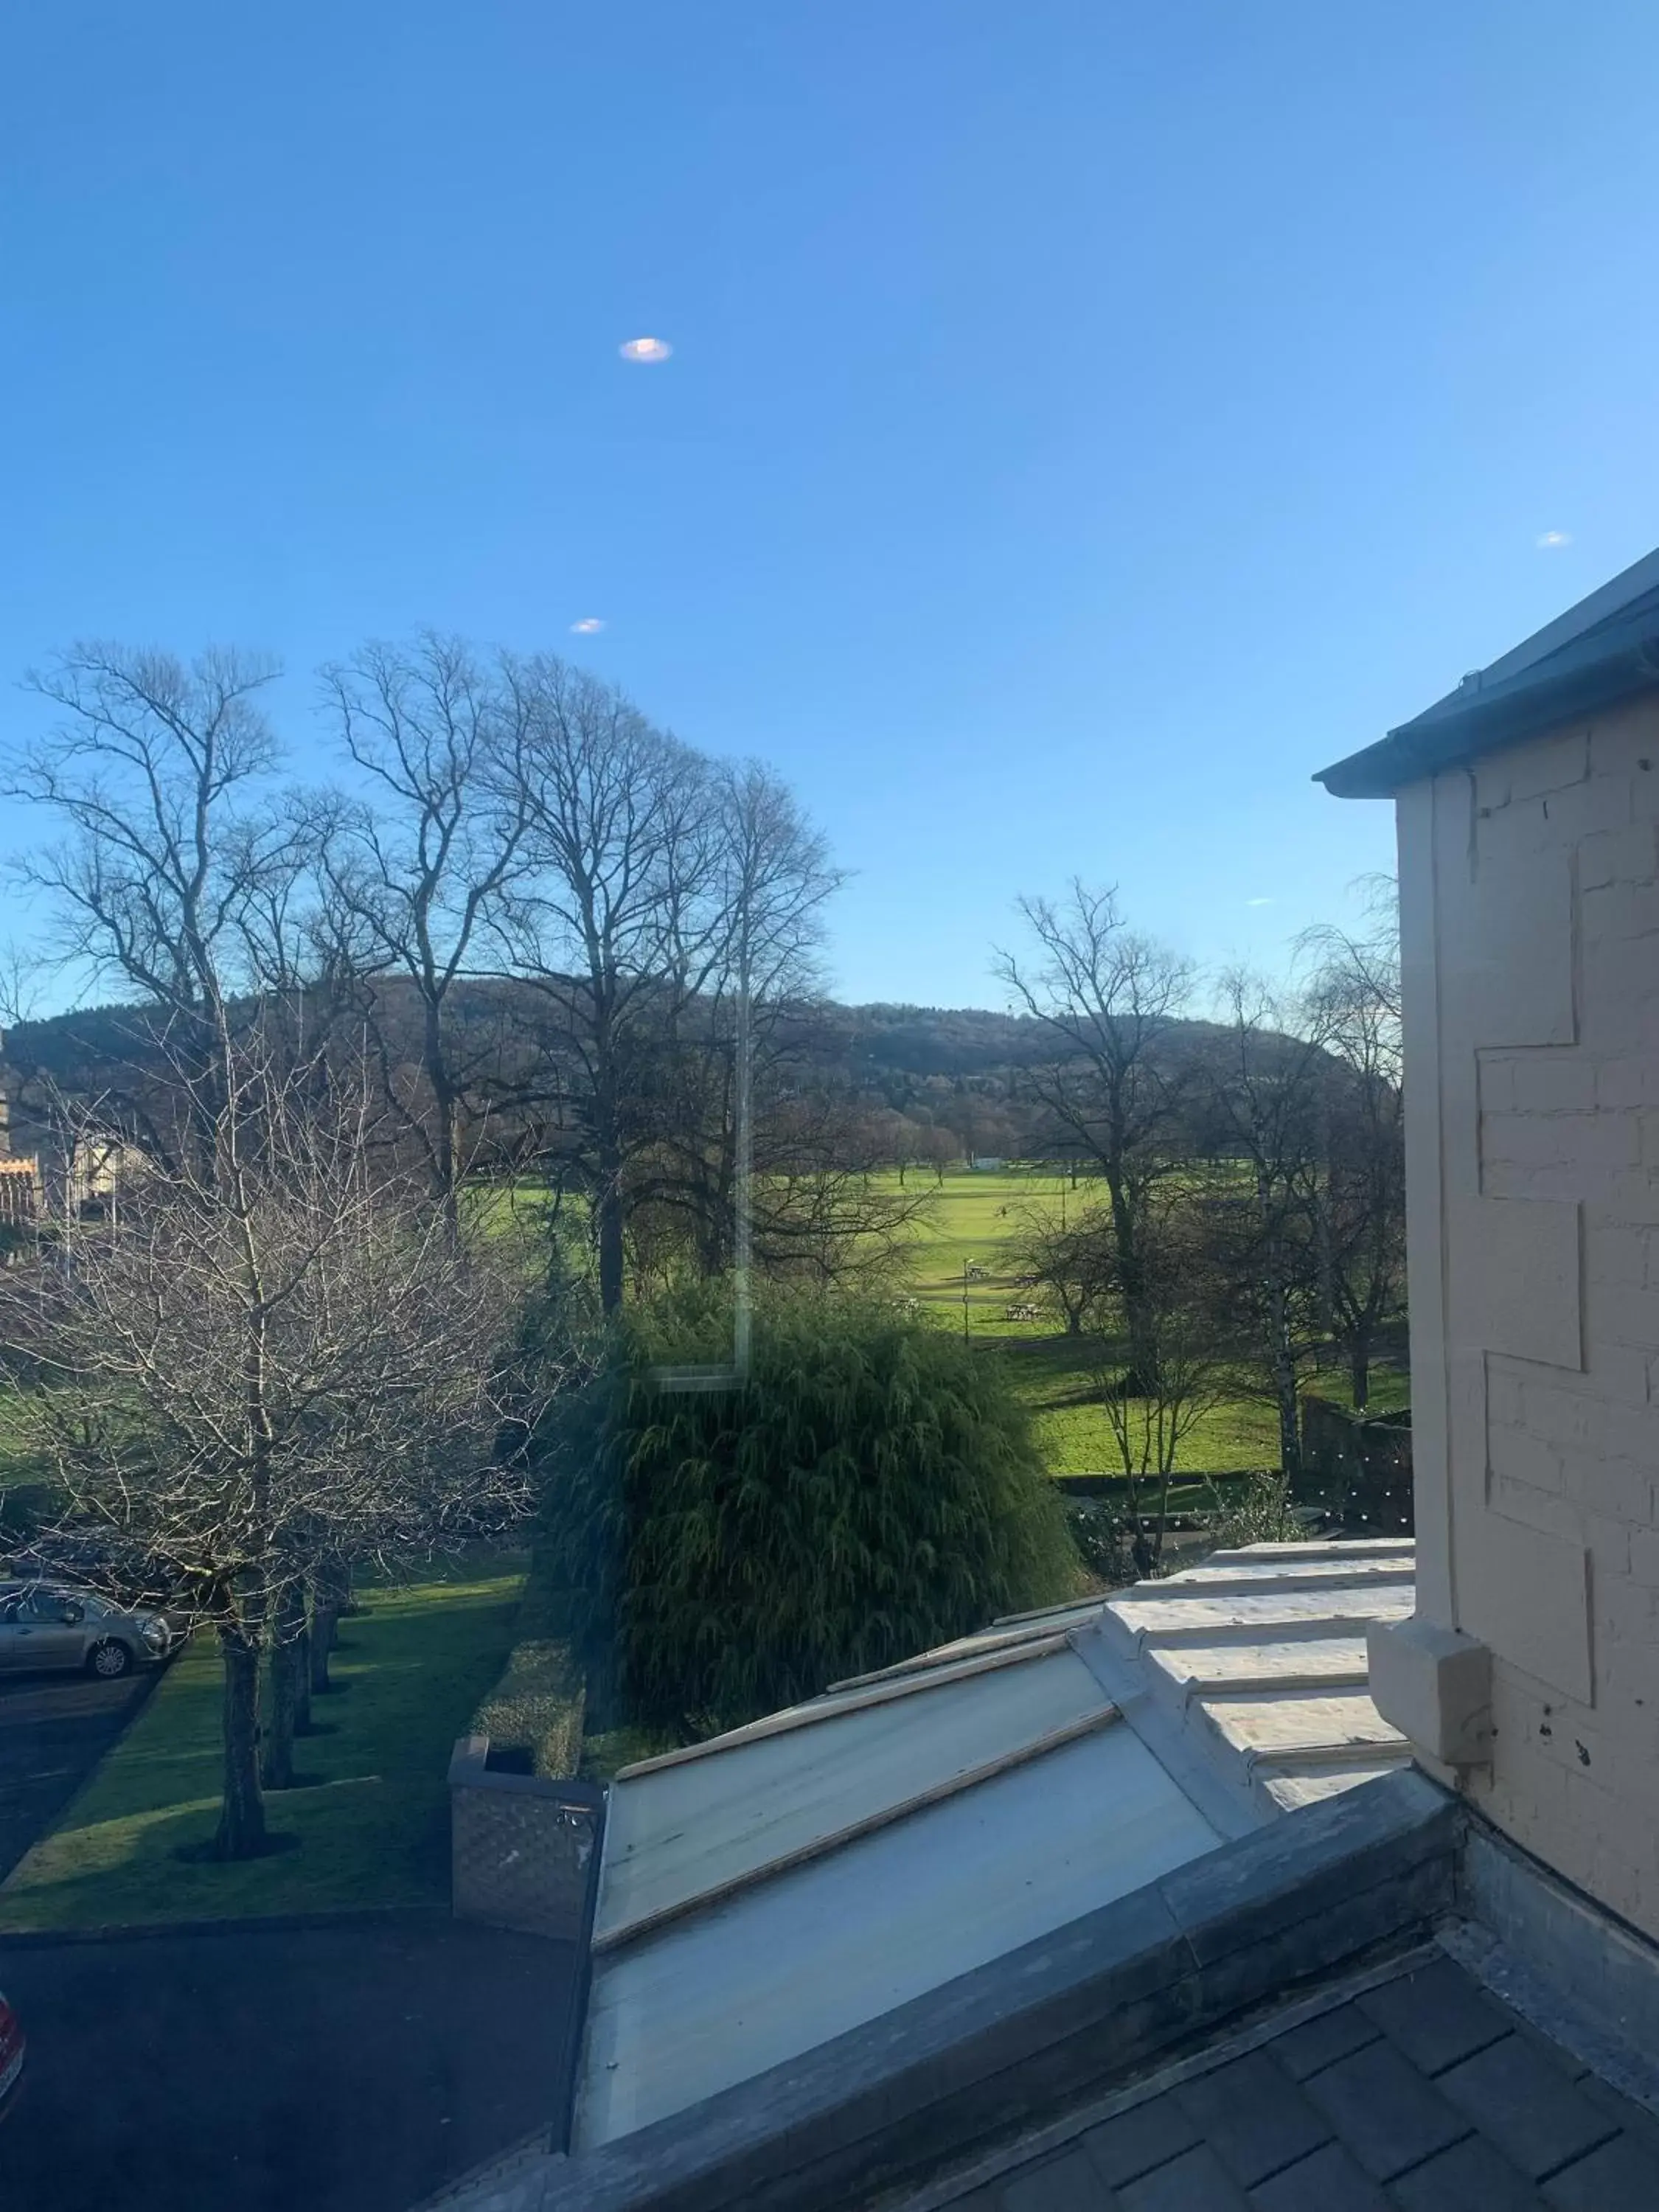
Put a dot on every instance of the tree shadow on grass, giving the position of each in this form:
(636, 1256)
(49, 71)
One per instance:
(203, 1853)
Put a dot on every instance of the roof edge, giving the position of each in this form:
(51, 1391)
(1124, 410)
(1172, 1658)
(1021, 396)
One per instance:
(1597, 672)
(885, 2101)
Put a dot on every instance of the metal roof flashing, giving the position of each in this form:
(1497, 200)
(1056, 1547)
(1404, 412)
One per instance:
(1601, 651)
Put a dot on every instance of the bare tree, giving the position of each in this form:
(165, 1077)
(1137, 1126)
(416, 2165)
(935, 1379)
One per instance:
(1109, 997)
(940, 1148)
(419, 869)
(1152, 1404)
(177, 875)
(259, 1369)
(1264, 1101)
(609, 921)
(752, 942)
(1353, 999)
(1076, 1262)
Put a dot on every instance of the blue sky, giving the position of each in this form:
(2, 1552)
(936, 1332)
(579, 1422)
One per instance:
(1084, 420)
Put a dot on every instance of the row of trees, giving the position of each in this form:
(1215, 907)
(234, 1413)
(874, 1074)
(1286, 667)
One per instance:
(533, 914)
(269, 1365)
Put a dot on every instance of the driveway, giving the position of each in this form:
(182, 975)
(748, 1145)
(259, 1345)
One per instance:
(54, 1729)
(356, 2066)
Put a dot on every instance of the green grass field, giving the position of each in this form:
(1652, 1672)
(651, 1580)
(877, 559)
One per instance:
(370, 1828)
(973, 1221)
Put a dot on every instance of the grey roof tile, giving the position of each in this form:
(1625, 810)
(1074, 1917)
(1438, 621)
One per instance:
(1471, 2177)
(1066, 2183)
(1322, 2040)
(1400, 2099)
(1437, 2014)
(1136, 2141)
(1635, 2119)
(1253, 2116)
(1621, 2176)
(1538, 2117)
(1384, 2111)
(1326, 2181)
(1195, 2182)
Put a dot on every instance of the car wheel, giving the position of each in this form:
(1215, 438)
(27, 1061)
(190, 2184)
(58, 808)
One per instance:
(108, 1660)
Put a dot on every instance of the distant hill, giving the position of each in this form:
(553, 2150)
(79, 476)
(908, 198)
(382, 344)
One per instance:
(959, 1067)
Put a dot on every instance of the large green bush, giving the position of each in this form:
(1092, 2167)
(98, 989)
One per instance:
(873, 1490)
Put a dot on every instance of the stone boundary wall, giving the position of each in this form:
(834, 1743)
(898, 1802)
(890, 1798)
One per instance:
(524, 1851)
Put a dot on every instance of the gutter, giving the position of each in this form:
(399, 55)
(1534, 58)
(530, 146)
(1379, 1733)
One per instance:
(1594, 673)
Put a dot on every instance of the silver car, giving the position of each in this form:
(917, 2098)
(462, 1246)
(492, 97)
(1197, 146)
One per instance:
(47, 1625)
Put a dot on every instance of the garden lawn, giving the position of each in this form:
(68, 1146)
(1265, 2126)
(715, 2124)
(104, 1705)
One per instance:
(1390, 1390)
(370, 1828)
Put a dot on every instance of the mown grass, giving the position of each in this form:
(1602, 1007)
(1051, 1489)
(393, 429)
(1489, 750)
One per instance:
(974, 1220)
(371, 1825)
(1390, 1390)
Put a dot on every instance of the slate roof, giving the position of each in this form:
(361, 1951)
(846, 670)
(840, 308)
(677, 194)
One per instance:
(1409, 2089)
(1604, 649)
(772, 1889)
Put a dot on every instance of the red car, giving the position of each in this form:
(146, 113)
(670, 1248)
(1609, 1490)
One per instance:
(11, 2054)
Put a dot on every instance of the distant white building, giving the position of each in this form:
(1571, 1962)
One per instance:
(985, 1164)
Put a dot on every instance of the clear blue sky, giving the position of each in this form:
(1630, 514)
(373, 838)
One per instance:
(1084, 420)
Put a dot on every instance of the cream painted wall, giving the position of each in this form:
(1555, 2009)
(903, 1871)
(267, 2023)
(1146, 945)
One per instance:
(1529, 908)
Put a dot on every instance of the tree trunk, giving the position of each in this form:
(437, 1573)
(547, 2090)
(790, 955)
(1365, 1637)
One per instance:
(1359, 1368)
(320, 1645)
(612, 1250)
(328, 1588)
(277, 1741)
(1285, 1393)
(1139, 1328)
(346, 1607)
(287, 1627)
(241, 1831)
(303, 1674)
(443, 1100)
(300, 1619)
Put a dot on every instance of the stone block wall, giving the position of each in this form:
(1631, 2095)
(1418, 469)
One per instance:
(1529, 894)
(522, 1850)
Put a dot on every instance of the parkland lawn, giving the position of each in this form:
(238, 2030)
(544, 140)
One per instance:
(371, 1825)
(974, 1221)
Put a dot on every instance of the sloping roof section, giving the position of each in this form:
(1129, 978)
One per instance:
(1407, 2067)
(769, 1889)
(1247, 1675)
(1601, 651)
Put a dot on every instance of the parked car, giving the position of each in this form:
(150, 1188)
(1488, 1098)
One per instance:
(11, 2054)
(48, 1624)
